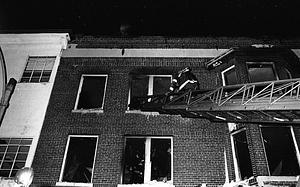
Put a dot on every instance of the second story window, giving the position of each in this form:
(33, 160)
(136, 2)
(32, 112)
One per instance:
(91, 92)
(261, 71)
(38, 69)
(143, 85)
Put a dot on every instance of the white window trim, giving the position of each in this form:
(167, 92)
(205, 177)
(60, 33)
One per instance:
(53, 71)
(63, 183)
(98, 110)
(150, 92)
(295, 145)
(147, 174)
(235, 160)
(31, 150)
(223, 74)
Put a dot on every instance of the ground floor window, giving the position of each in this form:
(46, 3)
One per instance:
(241, 155)
(13, 155)
(280, 148)
(147, 159)
(79, 159)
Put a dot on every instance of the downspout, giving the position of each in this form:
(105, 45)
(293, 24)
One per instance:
(7, 90)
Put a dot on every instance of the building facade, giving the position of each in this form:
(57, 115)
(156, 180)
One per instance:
(31, 61)
(93, 136)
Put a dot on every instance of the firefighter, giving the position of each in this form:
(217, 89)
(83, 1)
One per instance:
(183, 81)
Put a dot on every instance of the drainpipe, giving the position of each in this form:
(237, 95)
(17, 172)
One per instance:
(8, 88)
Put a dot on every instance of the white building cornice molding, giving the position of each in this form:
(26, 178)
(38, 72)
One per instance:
(42, 38)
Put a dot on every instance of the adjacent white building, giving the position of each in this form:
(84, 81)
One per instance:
(32, 60)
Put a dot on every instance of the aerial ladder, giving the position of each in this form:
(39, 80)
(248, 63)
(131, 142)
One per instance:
(262, 102)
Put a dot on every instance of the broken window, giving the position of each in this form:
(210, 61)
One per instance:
(242, 155)
(13, 155)
(79, 159)
(38, 69)
(91, 92)
(147, 159)
(229, 76)
(260, 72)
(143, 85)
(280, 150)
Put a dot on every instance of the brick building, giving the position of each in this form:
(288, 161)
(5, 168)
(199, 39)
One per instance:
(91, 137)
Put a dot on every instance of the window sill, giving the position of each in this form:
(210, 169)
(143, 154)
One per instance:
(141, 112)
(150, 184)
(74, 184)
(85, 111)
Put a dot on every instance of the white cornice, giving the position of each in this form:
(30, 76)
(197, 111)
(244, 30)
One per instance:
(43, 38)
(172, 53)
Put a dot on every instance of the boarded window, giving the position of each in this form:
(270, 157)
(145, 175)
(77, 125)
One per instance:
(91, 92)
(13, 155)
(260, 72)
(79, 159)
(38, 69)
(147, 159)
(280, 150)
(242, 154)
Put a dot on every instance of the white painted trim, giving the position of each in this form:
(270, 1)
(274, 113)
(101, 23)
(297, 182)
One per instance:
(62, 183)
(147, 174)
(223, 72)
(79, 91)
(173, 53)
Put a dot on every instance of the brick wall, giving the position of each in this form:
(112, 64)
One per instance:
(198, 144)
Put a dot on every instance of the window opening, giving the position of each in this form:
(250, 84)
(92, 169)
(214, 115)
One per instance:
(143, 85)
(260, 72)
(38, 69)
(91, 92)
(229, 76)
(280, 151)
(242, 155)
(147, 158)
(79, 159)
(13, 155)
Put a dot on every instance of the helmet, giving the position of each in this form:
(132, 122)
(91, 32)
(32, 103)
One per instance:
(24, 176)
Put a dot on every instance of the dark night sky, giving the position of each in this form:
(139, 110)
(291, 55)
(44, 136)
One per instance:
(160, 17)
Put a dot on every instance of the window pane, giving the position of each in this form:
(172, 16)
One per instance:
(161, 85)
(230, 77)
(280, 151)
(134, 161)
(80, 159)
(92, 92)
(10, 158)
(35, 67)
(139, 86)
(160, 159)
(242, 154)
(261, 72)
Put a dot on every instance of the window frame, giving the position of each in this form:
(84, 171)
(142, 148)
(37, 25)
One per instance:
(65, 183)
(15, 144)
(237, 169)
(223, 74)
(80, 89)
(41, 75)
(293, 139)
(262, 63)
(147, 169)
(150, 87)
